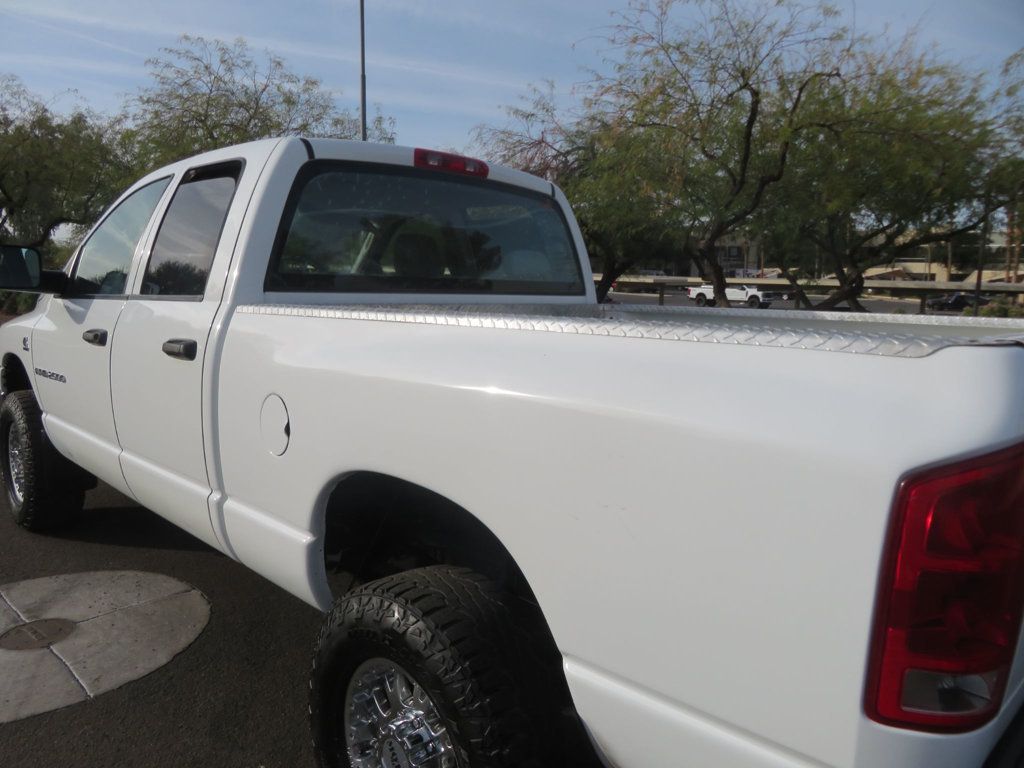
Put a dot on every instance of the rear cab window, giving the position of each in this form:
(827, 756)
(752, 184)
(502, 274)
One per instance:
(365, 228)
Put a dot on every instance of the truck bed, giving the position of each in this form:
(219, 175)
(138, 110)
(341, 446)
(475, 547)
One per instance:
(766, 473)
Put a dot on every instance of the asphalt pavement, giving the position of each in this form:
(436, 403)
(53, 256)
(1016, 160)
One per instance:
(235, 698)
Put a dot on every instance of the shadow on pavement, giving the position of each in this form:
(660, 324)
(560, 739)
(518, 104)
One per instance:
(129, 526)
(237, 697)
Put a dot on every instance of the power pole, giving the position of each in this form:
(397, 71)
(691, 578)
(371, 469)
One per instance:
(362, 65)
(1009, 241)
(982, 243)
(1013, 239)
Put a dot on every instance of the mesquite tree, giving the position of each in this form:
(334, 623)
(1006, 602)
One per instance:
(207, 94)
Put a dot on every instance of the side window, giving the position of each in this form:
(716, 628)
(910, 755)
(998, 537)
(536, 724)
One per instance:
(188, 236)
(106, 257)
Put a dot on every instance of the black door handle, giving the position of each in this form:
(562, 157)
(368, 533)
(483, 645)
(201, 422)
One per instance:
(96, 336)
(184, 349)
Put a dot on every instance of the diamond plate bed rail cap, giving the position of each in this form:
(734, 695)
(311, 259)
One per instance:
(871, 334)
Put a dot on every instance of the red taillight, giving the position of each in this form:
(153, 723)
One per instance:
(445, 161)
(952, 591)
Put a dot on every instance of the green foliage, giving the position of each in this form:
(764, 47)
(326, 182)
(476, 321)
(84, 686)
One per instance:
(730, 119)
(179, 278)
(612, 174)
(695, 127)
(54, 169)
(999, 308)
(58, 172)
(900, 154)
(618, 197)
(208, 94)
(12, 304)
(722, 88)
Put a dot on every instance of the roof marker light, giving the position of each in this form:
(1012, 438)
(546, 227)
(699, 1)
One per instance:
(446, 161)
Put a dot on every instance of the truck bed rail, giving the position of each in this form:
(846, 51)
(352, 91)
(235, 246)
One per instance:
(866, 334)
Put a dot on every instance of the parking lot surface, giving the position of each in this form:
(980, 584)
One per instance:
(235, 697)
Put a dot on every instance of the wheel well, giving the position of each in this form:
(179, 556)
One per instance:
(13, 376)
(377, 525)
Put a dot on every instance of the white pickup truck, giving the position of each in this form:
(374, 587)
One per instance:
(752, 296)
(379, 377)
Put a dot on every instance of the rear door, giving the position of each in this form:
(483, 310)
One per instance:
(71, 343)
(160, 348)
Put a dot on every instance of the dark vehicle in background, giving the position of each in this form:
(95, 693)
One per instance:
(955, 302)
(622, 284)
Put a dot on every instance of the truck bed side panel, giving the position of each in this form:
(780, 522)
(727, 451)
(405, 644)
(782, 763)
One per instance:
(702, 522)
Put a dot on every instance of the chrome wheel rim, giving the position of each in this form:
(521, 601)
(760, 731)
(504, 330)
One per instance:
(17, 450)
(391, 721)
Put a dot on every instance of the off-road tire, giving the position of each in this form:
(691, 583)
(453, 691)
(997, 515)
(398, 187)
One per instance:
(53, 487)
(459, 637)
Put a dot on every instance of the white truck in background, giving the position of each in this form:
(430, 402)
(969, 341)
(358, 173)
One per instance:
(752, 296)
(379, 377)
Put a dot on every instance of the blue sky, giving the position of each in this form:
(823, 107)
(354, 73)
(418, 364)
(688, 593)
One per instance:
(440, 68)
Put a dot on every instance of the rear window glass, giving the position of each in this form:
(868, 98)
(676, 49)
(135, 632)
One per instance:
(359, 228)
(188, 237)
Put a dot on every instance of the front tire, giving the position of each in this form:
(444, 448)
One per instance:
(43, 488)
(430, 668)
(754, 302)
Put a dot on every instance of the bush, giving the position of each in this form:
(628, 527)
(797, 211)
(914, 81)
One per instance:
(12, 303)
(999, 308)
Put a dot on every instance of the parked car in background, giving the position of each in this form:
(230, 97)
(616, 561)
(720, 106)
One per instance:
(955, 302)
(755, 298)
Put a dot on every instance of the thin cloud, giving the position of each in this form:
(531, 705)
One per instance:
(70, 64)
(434, 68)
(418, 100)
(467, 16)
(56, 13)
(440, 69)
(30, 19)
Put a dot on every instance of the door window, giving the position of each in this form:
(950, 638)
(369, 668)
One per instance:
(106, 257)
(188, 237)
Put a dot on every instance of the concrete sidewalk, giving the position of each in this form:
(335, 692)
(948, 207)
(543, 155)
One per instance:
(67, 639)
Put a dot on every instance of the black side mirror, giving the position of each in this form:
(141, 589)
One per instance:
(21, 269)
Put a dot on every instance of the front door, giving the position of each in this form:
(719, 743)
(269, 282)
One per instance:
(71, 343)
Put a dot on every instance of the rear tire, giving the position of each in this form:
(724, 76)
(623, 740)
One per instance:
(476, 689)
(43, 488)
(700, 300)
(754, 302)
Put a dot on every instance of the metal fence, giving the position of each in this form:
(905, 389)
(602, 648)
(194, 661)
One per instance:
(896, 288)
